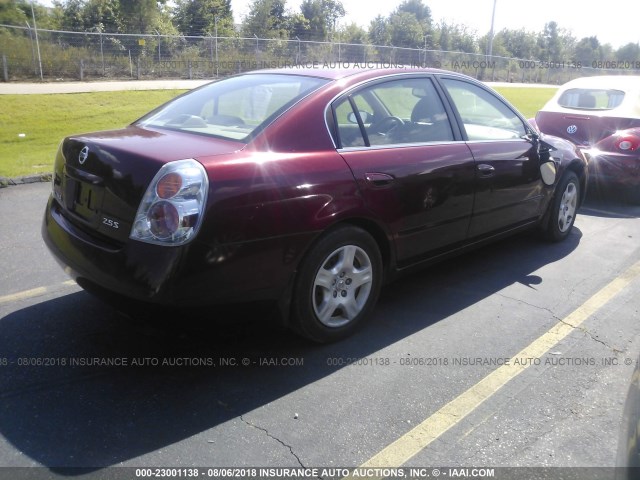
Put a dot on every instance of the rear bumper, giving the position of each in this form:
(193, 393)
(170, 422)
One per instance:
(615, 169)
(196, 274)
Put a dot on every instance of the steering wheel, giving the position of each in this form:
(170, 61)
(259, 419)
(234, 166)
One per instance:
(387, 124)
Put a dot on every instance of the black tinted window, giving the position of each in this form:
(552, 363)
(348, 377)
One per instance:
(591, 98)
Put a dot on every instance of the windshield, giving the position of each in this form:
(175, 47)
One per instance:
(233, 108)
(591, 98)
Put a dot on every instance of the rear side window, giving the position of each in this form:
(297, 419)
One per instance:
(591, 99)
(395, 112)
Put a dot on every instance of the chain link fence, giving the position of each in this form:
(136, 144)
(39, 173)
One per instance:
(49, 55)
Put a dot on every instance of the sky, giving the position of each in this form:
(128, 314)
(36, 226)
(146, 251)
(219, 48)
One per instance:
(616, 24)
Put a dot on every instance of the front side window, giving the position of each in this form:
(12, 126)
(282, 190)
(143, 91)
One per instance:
(591, 98)
(405, 111)
(484, 116)
(233, 108)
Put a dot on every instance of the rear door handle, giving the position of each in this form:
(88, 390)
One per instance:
(486, 170)
(379, 179)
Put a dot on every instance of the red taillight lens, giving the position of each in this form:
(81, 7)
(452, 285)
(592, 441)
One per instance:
(169, 185)
(164, 220)
(628, 143)
(172, 209)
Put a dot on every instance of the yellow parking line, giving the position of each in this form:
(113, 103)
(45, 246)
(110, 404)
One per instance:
(414, 441)
(34, 292)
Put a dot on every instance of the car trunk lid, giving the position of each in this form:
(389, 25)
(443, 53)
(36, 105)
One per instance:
(582, 129)
(100, 178)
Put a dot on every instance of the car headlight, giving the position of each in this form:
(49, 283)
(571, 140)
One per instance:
(172, 208)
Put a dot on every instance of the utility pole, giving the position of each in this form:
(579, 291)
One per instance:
(35, 27)
(215, 20)
(493, 19)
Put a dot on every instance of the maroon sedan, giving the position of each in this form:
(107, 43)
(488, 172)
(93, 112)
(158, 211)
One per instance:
(309, 188)
(602, 116)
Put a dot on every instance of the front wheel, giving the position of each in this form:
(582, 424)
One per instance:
(337, 285)
(564, 208)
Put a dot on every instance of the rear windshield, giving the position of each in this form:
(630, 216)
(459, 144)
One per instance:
(233, 108)
(591, 98)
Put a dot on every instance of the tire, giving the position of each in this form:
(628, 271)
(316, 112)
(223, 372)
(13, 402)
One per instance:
(564, 208)
(337, 285)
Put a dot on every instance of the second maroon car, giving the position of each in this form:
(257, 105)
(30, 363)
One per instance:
(310, 188)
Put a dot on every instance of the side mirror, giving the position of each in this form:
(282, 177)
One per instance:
(548, 172)
(548, 165)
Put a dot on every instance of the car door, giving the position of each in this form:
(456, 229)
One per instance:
(413, 170)
(508, 188)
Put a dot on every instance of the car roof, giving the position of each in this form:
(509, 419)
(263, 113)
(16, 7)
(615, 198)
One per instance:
(620, 82)
(367, 70)
(629, 108)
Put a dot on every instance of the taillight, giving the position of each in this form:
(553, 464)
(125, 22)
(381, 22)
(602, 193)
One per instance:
(627, 143)
(172, 208)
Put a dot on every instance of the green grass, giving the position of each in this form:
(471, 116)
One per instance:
(46, 119)
(527, 100)
(32, 126)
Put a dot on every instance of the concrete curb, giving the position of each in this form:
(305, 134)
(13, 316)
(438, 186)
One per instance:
(39, 177)
(20, 88)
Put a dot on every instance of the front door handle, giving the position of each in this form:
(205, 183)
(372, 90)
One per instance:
(486, 170)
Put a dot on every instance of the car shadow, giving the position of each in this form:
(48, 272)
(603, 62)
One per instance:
(608, 203)
(63, 408)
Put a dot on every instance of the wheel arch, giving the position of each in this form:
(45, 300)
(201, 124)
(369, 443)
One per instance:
(579, 168)
(379, 234)
(382, 238)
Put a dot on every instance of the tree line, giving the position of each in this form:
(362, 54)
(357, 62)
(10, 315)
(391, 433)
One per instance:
(410, 25)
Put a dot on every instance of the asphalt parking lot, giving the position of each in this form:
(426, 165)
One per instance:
(432, 381)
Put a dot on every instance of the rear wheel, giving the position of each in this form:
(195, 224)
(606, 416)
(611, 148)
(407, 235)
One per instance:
(337, 286)
(564, 208)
